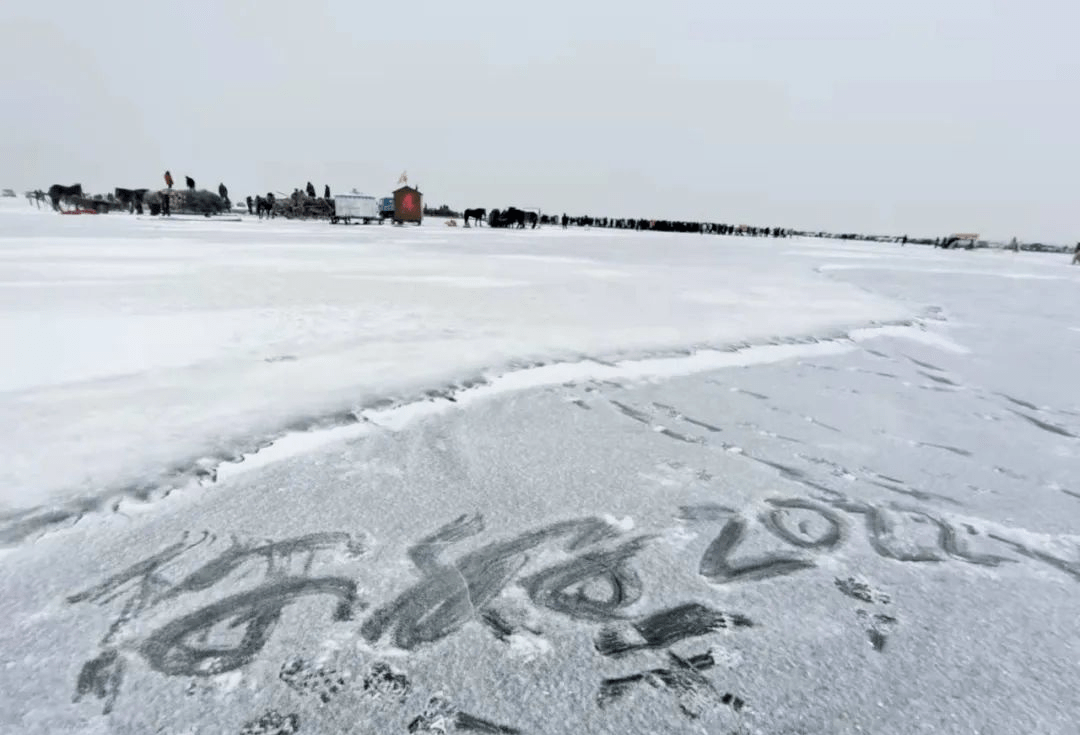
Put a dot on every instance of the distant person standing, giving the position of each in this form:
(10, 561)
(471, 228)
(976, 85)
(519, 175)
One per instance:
(249, 203)
(190, 183)
(565, 220)
(1014, 245)
(166, 204)
(326, 192)
(168, 179)
(310, 190)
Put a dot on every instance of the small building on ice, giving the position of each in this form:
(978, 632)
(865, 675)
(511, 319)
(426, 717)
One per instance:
(408, 205)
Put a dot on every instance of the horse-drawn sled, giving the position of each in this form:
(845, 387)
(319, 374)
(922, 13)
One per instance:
(967, 240)
(172, 202)
(301, 206)
(513, 217)
(72, 200)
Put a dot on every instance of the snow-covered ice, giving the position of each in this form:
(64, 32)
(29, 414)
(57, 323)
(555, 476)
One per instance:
(271, 477)
(136, 348)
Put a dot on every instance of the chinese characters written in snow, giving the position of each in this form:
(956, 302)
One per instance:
(596, 584)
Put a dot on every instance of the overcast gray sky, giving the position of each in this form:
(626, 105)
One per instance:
(924, 116)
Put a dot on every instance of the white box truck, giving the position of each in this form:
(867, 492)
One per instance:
(360, 207)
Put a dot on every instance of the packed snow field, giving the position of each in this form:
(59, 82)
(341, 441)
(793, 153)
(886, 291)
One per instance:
(278, 477)
(144, 347)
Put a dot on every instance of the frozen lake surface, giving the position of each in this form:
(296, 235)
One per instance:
(276, 477)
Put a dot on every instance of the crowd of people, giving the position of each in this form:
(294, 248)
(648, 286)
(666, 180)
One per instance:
(663, 225)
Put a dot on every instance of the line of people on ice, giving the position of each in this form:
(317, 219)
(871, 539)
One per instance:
(663, 225)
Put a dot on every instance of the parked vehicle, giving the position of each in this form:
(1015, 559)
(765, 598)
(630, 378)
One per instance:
(348, 207)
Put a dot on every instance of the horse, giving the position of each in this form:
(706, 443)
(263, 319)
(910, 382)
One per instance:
(477, 214)
(58, 193)
(514, 217)
(131, 198)
(264, 205)
(138, 199)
